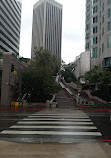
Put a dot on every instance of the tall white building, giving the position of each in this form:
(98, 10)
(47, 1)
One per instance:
(10, 22)
(98, 31)
(47, 26)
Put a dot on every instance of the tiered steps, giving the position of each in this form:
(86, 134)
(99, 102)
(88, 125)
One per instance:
(64, 100)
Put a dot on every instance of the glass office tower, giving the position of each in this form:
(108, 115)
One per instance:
(10, 22)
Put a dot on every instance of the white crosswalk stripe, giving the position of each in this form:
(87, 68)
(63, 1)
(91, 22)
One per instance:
(52, 133)
(64, 127)
(53, 125)
(49, 119)
(51, 122)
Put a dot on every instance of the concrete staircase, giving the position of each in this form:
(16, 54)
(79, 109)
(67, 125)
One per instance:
(65, 100)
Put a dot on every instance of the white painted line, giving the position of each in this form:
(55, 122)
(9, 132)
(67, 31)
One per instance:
(51, 122)
(62, 119)
(82, 114)
(52, 133)
(59, 116)
(63, 127)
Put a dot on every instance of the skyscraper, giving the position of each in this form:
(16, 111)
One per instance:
(98, 31)
(10, 22)
(47, 26)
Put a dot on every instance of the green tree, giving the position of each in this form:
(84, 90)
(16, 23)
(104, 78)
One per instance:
(99, 77)
(67, 71)
(39, 80)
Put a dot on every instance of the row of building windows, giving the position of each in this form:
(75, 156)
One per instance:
(9, 39)
(95, 1)
(17, 35)
(9, 33)
(51, 37)
(10, 13)
(95, 28)
(94, 52)
(18, 10)
(18, 16)
(3, 49)
(17, 28)
(18, 5)
(9, 46)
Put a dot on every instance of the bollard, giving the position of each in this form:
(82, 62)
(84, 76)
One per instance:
(16, 106)
(48, 103)
(12, 105)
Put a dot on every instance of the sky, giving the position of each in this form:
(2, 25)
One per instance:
(73, 28)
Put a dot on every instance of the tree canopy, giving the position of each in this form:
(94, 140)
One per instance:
(67, 71)
(98, 76)
(40, 79)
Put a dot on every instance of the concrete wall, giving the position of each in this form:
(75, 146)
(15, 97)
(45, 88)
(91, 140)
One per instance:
(77, 68)
(82, 64)
(10, 88)
(95, 61)
(85, 62)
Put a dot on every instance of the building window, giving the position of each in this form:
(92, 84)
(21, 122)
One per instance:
(95, 9)
(109, 1)
(100, 3)
(100, 25)
(95, 40)
(95, 29)
(99, 51)
(87, 45)
(88, 17)
(109, 25)
(109, 41)
(88, 8)
(103, 31)
(94, 1)
(103, 19)
(100, 14)
(109, 12)
(87, 36)
(103, 7)
(102, 47)
(87, 1)
(95, 19)
(87, 26)
(94, 52)
(106, 62)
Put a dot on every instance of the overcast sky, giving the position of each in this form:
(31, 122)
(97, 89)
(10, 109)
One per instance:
(73, 28)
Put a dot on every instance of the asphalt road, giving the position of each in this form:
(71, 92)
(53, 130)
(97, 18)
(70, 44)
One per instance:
(55, 126)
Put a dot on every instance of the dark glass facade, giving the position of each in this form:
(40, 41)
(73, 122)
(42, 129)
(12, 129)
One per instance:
(10, 22)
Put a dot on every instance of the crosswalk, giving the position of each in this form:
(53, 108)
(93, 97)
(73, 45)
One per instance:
(53, 127)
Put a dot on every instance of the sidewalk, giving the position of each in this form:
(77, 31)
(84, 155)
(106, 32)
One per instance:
(89, 150)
